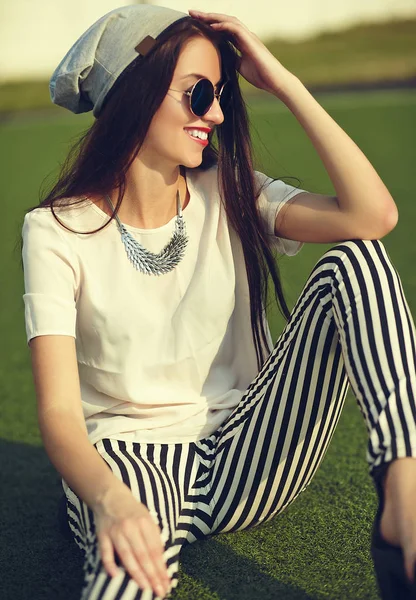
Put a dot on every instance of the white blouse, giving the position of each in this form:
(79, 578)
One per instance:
(161, 358)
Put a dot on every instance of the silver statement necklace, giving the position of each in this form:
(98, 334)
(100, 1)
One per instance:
(155, 264)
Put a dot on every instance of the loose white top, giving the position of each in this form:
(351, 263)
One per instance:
(161, 358)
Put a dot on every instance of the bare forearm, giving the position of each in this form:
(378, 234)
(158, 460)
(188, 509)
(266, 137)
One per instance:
(75, 458)
(359, 188)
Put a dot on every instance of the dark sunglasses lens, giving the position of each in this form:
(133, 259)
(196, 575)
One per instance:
(225, 97)
(202, 97)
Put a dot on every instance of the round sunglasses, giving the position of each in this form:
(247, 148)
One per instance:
(202, 94)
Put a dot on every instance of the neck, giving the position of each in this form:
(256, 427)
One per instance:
(150, 196)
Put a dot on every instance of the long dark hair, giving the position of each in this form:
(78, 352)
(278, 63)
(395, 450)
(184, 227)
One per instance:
(99, 160)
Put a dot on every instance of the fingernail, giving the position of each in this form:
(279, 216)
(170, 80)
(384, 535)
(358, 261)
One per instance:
(159, 590)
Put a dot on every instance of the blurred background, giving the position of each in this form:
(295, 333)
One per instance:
(358, 58)
(324, 42)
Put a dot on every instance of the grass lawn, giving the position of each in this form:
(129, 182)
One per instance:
(318, 548)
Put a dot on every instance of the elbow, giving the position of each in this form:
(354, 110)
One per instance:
(390, 221)
(384, 225)
(393, 217)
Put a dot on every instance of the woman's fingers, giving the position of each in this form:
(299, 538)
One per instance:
(155, 548)
(149, 555)
(214, 16)
(136, 568)
(105, 546)
(140, 550)
(236, 30)
(218, 20)
(126, 527)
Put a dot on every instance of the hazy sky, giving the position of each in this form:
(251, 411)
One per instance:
(35, 34)
(298, 18)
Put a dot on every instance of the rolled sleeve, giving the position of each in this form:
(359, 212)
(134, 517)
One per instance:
(274, 195)
(50, 277)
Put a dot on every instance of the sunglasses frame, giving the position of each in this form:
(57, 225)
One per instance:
(190, 92)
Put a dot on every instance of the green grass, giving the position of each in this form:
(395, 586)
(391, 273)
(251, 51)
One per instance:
(319, 547)
(361, 53)
(364, 53)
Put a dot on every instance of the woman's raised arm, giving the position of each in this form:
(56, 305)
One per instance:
(363, 208)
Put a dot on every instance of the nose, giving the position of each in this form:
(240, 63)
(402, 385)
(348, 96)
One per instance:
(215, 113)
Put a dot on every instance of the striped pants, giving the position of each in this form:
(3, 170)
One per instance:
(350, 325)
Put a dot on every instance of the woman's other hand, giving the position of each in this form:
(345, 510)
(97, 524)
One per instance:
(257, 63)
(125, 525)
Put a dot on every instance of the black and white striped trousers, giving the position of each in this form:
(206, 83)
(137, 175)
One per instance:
(351, 324)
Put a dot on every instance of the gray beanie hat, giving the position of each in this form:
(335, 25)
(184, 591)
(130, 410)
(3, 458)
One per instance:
(85, 75)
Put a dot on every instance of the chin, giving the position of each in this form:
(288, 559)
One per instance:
(192, 163)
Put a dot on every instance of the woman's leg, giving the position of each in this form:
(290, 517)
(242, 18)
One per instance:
(350, 324)
(165, 478)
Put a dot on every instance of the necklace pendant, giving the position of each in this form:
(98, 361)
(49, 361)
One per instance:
(168, 258)
(155, 264)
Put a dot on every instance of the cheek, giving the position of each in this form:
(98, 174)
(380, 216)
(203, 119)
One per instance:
(167, 124)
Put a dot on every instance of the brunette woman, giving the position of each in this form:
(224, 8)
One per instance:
(162, 401)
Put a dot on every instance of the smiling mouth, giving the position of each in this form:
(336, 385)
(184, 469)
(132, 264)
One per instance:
(197, 139)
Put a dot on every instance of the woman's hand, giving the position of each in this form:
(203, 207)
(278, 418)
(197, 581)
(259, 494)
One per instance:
(398, 521)
(257, 63)
(124, 524)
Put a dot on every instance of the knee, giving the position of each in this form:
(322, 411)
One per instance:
(357, 251)
(357, 245)
(355, 259)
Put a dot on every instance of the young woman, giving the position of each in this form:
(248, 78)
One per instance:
(161, 400)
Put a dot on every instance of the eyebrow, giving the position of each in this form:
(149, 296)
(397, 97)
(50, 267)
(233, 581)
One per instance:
(199, 76)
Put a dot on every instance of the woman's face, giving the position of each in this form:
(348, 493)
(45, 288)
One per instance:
(167, 138)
